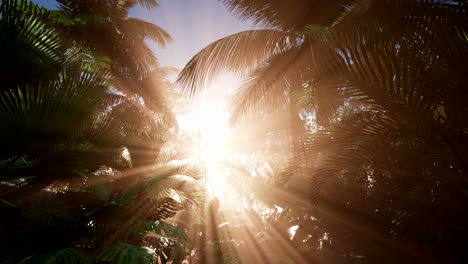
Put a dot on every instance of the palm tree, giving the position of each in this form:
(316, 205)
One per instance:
(105, 32)
(385, 84)
(269, 59)
(83, 172)
(111, 39)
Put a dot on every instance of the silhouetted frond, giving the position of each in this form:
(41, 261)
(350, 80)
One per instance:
(287, 15)
(38, 52)
(238, 53)
(268, 87)
(137, 28)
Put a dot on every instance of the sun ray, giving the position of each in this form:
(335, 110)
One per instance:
(208, 120)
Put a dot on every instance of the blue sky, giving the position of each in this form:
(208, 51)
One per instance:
(193, 24)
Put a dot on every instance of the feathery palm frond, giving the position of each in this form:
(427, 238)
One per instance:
(137, 28)
(39, 54)
(102, 28)
(147, 3)
(269, 85)
(51, 115)
(238, 53)
(287, 15)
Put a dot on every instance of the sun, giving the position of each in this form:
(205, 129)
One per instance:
(209, 119)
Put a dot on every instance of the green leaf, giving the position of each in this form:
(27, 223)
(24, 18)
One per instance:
(70, 256)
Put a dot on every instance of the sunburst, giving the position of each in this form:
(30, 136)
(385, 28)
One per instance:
(208, 118)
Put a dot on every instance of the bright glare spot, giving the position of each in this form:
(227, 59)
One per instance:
(126, 154)
(208, 119)
(279, 209)
(176, 197)
(223, 224)
(292, 231)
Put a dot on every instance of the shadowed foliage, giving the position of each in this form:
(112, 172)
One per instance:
(383, 82)
(82, 178)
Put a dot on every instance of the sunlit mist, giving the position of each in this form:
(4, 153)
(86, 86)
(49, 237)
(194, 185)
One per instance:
(208, 120)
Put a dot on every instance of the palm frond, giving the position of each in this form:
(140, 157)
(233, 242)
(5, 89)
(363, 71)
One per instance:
(44, 124)
(238, 53)
(137, 28)
(37, 45)
(286, 15)
(270, 85)
(164, 208)
(183, 179)
(148, 3)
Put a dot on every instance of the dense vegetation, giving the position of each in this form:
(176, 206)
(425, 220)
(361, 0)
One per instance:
(381, 88)
(357, 127)
(87, 174)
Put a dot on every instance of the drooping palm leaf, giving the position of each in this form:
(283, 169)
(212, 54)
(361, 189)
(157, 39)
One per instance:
(286, 15)
(269, 86)
(238, 53)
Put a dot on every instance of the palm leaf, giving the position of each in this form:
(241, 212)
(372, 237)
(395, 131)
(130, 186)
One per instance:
(286, 15)
(44, 124)
(238, 53)
(268, 87)
(137, 28)
(37, 45)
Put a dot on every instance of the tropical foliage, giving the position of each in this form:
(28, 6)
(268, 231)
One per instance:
(352, 114)
(383, 84)
(85, 174)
